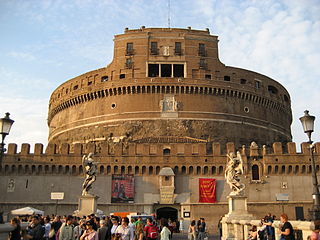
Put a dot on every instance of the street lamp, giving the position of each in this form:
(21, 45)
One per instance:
(5, 126)
(308, 125)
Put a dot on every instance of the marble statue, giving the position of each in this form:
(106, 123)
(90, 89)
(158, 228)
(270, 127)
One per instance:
(233, 171)
(91, 169)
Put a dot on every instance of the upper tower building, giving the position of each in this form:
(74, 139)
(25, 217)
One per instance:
(169, 82)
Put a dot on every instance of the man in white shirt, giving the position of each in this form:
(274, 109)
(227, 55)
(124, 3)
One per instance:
(124, 230)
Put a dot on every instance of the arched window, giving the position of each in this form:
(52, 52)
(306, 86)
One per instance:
(255, 172)
(130, 170)
(166, 151)
(144, 169)
(150, 170)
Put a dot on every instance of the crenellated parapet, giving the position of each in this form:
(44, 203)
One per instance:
(185, 156)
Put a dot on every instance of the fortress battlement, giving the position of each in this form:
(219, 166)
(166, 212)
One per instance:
(168, 149)
(192, 157)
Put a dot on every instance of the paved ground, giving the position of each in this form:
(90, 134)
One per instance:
(184, 236)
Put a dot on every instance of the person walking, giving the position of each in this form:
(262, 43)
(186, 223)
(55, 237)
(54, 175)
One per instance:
(55, 225)
(165, 232)
(47, 227)
(139, 234)
(103, 230)
(79, 229)
(66, 230)
(124, 230)
(36, 230)
(89, 233)
(286, 229)
(192, 231)
(115, 225)
(253, 234)
(151, 230)
(201, 229)
(268, 221)
(15, 234)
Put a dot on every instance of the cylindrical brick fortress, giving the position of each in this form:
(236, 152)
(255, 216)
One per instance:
(169, 82)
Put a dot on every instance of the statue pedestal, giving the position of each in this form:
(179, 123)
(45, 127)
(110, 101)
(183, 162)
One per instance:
(237, 211)
(87, 205)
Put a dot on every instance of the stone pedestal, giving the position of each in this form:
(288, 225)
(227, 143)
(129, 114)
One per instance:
(87, 205)
(237, 211)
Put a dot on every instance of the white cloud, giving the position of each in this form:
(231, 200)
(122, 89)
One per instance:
(30, 120)
(22, 55)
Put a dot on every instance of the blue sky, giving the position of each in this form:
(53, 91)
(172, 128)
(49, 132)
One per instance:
(46, 42)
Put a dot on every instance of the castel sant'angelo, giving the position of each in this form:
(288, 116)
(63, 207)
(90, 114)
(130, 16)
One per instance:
(165, 112)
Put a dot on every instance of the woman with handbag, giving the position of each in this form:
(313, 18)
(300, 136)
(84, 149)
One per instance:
(192, 231)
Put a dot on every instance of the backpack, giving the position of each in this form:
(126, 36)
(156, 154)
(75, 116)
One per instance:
(153, 232)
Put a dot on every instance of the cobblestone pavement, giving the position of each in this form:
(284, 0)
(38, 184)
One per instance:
(184, 236)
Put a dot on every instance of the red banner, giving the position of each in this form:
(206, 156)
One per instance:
(207, 190)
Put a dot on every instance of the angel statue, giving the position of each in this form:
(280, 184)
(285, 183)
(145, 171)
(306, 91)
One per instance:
(91, 173)
(233, 170)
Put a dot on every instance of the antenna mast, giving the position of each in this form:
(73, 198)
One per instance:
(169, 14)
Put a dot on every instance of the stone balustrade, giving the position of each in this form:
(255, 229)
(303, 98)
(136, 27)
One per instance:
(6, 228)
(303, 229)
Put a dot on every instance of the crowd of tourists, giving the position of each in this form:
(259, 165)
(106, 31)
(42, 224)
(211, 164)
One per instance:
(267, 232)
(116, 228)
(92, 228)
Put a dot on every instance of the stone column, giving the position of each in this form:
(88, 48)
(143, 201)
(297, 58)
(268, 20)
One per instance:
(87, 205)
(237, 211)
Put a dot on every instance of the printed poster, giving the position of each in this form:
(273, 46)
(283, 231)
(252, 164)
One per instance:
(122, 188)
(207, 190)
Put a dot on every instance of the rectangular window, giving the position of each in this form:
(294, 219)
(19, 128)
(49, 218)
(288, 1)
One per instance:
(202, 63)
(166, 70)
(202, 50)
(154, 48)
(104, 78)
(153, 70)
(177, 49)
(129, 63)
(122, 75)
(257, 84)
(129, 49)
(178, 70)
(208, 76)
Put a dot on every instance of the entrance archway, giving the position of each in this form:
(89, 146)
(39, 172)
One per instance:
(167, 212)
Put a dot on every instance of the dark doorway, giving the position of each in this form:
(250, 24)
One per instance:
(299, 213)
(255, 172)
(167, 212)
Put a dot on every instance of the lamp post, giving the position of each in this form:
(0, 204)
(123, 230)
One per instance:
(5, 126)
(308, 126)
